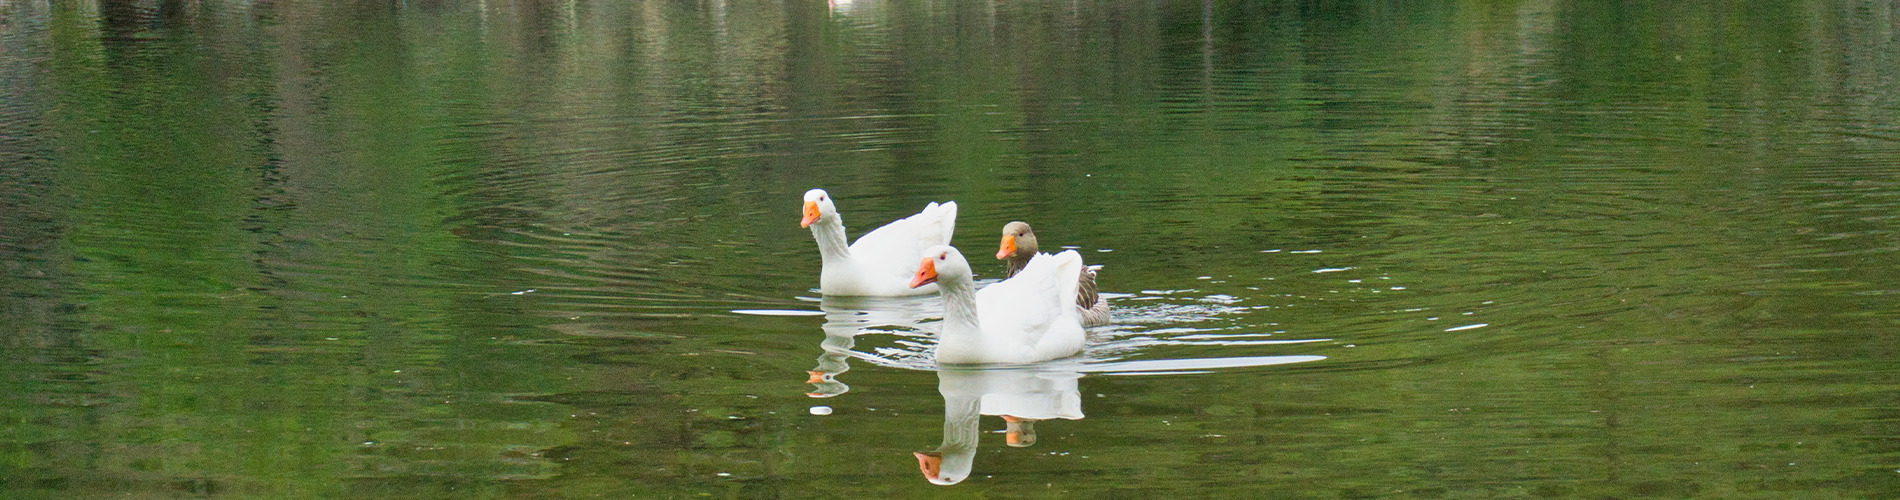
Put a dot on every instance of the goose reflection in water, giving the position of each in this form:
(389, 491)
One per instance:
(1021, 395)
(848, 317)
(1024, 395)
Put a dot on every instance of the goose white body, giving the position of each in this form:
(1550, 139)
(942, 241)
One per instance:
(1027, 318)
(880, 262)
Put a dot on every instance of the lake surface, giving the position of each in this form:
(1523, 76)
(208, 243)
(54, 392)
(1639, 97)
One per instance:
(494, 249)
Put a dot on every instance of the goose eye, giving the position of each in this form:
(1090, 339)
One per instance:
(940, 256)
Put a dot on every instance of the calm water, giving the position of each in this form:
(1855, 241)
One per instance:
(442, 249)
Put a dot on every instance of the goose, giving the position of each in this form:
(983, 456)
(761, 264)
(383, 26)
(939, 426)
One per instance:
(1024, 319)
(1019, 245)
(880, 262)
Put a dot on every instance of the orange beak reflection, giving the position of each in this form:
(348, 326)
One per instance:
(817, 377)
(1009, 247)
(926, 274)
(930, 462)
(811, 214)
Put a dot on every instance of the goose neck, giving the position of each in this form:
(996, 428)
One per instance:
(1014, 264)
(829, 232)
(960, 425)
(959, 307)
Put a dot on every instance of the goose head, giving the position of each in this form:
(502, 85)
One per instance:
(817, 206)
(827, 384)
(1019, 242)
(941, 262)
(946, 468)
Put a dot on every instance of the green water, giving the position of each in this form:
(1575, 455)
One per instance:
(444, 249)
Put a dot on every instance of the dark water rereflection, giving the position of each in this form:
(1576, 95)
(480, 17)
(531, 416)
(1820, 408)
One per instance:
(446, 249)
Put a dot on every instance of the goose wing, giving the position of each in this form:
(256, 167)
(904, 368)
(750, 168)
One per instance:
(1037, 301)
(893, 248)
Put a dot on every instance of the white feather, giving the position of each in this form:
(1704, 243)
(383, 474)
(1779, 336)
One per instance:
(1027, 318)
(880, 262)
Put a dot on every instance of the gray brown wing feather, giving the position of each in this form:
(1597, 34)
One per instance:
(1094, 308)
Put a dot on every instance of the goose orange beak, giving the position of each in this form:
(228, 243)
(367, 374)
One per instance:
(816, 377)
(1009, 247)
(926, 274)
(811, 214)
(930, 462)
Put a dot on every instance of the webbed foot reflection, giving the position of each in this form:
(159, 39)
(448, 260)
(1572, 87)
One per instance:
(1020, 433)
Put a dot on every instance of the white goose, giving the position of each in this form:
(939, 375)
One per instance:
(881, 261)
(1024, 319)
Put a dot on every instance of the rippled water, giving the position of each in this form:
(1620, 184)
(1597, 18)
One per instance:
(441, 249)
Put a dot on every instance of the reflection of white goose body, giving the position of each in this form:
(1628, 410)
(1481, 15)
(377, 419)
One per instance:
(880, 262)
(1020, 395)
(1028, 318)
(845, 319)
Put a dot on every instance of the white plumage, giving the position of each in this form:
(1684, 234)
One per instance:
(880, 262)
(1024, 319)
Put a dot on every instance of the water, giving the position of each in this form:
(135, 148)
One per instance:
(1356, 250)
